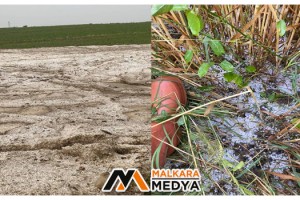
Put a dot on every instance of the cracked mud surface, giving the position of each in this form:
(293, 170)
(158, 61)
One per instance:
(68, 114)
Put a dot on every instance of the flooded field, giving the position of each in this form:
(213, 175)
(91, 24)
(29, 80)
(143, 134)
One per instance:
(69, 114)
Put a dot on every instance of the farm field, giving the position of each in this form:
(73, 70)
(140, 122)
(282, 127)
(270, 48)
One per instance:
(68, 114)
(75, 35)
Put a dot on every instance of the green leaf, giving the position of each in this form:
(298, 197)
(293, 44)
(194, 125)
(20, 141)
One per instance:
(180, 121)
(250, 69)
(162, 117)
(205, 42)
(227, 164)
(280, 146)
(188, 56)
(239, 166)
(229, 76)
(294, 122)
(155, 72)
(155, 157)
(272, 97)
(193, 22)
(179, 7)
(193, 136)
(153, 110)
(206, 88)
(246, 191)
(227, 66)
(248, 168)
(263, 94)
(281, 27)
(160, 9)
(239, 80)
(201, 23)
(235, 180)
(297, 156)
(243, 84)
(297, 175)
(217, 47)
(203, 69)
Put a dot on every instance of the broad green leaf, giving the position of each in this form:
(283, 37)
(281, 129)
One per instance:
(203, 69)
(201, 23)
(243, 84)
(217, 47)
(239, 80)
(160, 9)
(281, 27)
(227, 66)
(179, 7)
(193, 22)
(239, 166)
(188, 56)
(229, 76)
(246, 191)
(250, 69)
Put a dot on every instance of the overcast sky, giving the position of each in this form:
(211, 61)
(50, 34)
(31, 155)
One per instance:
(46, 15)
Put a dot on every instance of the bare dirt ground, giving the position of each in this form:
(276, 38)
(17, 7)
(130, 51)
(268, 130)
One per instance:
(68, 114)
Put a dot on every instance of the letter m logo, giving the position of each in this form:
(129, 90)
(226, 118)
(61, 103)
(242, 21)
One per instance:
(125, 180)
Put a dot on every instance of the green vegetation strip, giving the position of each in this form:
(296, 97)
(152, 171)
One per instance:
(75, 35)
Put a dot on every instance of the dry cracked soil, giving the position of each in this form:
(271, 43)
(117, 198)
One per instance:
(69, 114)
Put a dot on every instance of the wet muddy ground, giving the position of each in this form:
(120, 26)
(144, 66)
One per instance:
(247, 137)
(244, 135)
(68, 114)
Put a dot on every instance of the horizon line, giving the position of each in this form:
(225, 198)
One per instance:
(28, 26)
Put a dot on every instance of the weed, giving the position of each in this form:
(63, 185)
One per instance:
(242, 144)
